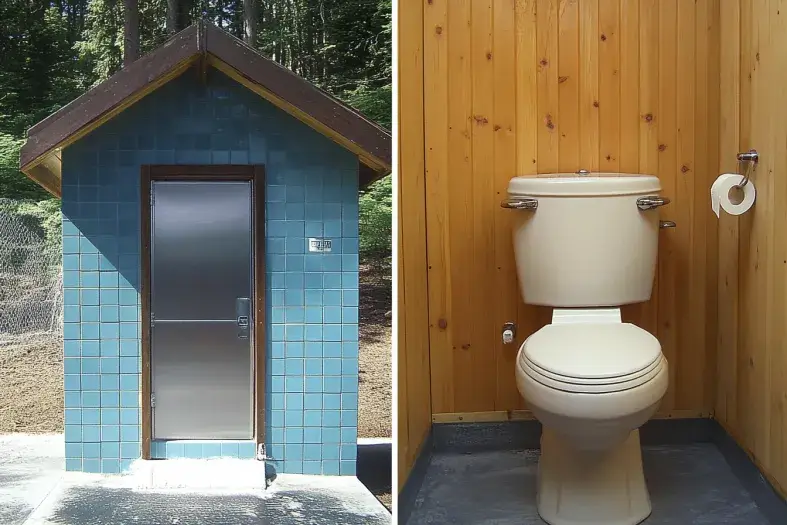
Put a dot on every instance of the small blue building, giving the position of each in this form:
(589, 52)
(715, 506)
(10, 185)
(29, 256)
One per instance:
(210, 259)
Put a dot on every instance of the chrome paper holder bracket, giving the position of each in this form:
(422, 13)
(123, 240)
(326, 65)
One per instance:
(651, 202)
(520, 204)
(750, 158)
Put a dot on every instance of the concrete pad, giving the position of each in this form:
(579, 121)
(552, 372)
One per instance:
(30, 467)
(35, 490)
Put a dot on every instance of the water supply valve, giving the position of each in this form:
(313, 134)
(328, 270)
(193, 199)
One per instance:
(509, 333)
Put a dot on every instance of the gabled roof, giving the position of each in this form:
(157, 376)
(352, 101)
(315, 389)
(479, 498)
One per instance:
(205, 45)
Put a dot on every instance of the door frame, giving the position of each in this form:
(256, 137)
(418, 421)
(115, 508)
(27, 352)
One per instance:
(255, 173)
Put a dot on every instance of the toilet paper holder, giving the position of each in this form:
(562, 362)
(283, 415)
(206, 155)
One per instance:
(750, 158)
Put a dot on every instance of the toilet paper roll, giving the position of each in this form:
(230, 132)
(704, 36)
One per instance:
(720, 194)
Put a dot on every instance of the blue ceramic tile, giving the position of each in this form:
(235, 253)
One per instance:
(129, 450)
(110, 433)
(211, 450)
(91, 416)
(110, 449)
(229, 450)
(247, 450)
(91, 382)
(293, 384)
(347, 468)
(192, 450)
(330, 468)
(312, 401)
(317, 368)
(332, 348)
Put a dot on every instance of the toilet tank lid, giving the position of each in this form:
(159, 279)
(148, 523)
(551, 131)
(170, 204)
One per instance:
(592, 350)
(573, 185)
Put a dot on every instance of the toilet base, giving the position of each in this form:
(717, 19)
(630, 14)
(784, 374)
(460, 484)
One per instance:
(591, 487)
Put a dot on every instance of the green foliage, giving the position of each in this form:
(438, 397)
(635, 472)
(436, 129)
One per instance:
(12, 182)
(376, 213)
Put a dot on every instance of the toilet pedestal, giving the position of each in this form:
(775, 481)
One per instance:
(584, 487)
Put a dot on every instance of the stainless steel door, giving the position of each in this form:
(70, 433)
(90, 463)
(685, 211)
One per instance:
(201, 285)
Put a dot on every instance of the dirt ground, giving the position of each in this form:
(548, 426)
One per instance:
(374, 390)
(31, 387)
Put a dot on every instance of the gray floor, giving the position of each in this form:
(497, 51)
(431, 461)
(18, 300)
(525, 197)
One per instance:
(689, 485)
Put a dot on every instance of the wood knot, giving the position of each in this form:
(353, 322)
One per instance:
(488, 55)
(442, 324)
(549, 123)
(438, 30)
(544, 62)
(608, 157)
(466, 346)
(757, 56)
(481, 120)
(595, 103)
(603, 37)
(560, 80)
(496, 127)
(662, 147)
(648, 117)
(685, 169)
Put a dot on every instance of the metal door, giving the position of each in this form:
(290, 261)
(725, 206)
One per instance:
(201, 293)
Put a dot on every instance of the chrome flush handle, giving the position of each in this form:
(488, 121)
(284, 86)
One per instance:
(520, 204)
(651, 202)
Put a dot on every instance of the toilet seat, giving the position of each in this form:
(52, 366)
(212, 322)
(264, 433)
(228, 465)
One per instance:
(592, 357)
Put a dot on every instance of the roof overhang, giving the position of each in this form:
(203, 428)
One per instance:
(204, 45)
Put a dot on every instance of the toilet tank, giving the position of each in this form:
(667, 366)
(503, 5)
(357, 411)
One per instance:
(585, 240)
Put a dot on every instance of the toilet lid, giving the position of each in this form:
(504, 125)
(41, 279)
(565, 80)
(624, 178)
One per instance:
(592, 353)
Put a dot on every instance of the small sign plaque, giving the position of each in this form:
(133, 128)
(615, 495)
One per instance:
(319, 245)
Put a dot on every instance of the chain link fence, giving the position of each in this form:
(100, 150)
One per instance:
(31, 287)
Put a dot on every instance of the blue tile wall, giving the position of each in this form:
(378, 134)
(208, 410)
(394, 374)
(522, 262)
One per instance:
(312, 298)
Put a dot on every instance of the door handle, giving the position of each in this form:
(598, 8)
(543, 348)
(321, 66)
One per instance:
(243, 316)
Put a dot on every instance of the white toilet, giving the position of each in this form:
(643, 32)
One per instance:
(585, 244)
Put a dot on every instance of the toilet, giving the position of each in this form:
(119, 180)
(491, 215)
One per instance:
(586, 244)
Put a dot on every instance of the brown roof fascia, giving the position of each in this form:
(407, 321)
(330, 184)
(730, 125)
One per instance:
(300, 93)
(195, 42)
(108, 95)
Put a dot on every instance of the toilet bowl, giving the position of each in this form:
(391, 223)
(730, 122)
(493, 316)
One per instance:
(592, 385)
(585, 245)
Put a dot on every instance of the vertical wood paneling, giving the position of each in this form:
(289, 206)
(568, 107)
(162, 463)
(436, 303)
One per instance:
(670, 256)
(589, 95)
(481, 342)
(609, 85)
(621, 84)
(729, 141)
(547, 95)
(413, 372)
(690, 280)
(437, 220)
(752, 284)
(568, 86)
(504, 122)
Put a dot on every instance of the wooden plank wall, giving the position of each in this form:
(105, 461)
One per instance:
(414, 408)
(514, 87)
(752, 356)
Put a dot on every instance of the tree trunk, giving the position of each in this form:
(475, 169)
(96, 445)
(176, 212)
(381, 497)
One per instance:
(130, 32)
(250, 22)
(172, 16)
